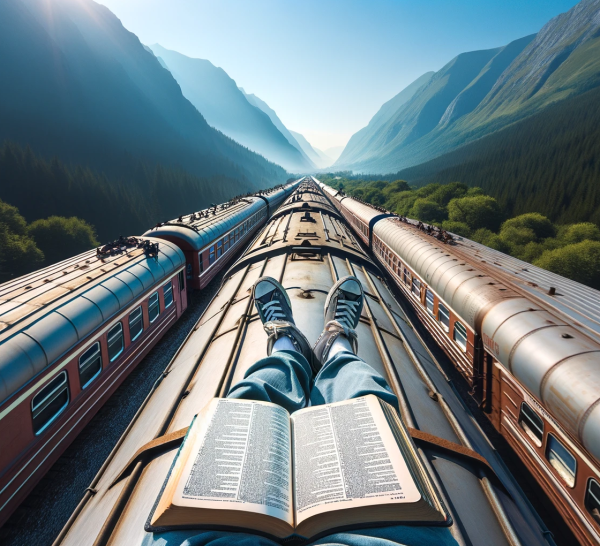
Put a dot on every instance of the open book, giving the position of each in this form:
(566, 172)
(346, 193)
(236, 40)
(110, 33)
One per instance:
(250, 466)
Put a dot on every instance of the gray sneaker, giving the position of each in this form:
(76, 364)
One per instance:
(343, 307)
(271, 301)
(344, 302)
(275, 311)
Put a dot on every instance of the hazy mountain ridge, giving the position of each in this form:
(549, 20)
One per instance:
(226, 108)
(78, 85)
(520, 79)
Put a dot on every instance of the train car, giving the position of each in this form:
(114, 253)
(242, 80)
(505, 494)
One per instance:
(69, 335)
(308, 246)
(211, 237)
(526, 340)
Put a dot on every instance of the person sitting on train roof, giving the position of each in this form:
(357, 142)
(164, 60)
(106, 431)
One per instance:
(294, 375)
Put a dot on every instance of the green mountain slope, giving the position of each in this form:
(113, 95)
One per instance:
(78, 85)
(547, 163)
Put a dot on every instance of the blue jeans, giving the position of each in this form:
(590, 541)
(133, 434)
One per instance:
(285, 378)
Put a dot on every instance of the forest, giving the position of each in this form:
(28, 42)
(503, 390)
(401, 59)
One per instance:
(568, 249)
(548, 163)
(50, 211)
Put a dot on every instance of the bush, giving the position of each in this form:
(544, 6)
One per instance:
(480, 211)
(576, 233)
(444, 194)
(489, 238)
(60, 238)
(579, 261)
(18, 252)
(460, 228)
(517, 236)
(428, 211)
(541, 227)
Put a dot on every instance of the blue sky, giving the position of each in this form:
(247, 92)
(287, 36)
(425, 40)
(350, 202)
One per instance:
(326, 66)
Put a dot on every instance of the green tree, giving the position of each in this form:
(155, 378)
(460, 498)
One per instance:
(539, 225)
(60, 238)
(576, 233)
(480, 211)
(428, 211)
(444, 194)
(460, 228)
(579, 261)
(488, 238)
(18, 252)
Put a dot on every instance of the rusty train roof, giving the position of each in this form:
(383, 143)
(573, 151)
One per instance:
(229, 338)
(543, 342)
(46, 313)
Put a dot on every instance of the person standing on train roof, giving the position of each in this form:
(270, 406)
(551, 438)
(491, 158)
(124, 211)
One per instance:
(294, 375)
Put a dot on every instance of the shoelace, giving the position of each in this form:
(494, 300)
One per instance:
(273, 310)
(345, 312)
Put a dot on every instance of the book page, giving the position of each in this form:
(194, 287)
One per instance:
(241, 461)
(345, 456)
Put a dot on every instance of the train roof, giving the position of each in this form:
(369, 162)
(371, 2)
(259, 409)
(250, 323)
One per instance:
(363, 211)
(202, 228)
(46, 313)
(577, 302)
(229, 338)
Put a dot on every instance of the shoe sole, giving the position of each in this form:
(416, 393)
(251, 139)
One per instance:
(277, 284)
(334, 289)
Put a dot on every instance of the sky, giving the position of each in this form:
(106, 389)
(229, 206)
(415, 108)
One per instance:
(326, 66)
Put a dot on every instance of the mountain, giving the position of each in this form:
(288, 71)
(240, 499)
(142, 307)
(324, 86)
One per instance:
(289, 135)
(316, 156)
(403, 137)
(334, 152)
(77, 85)
(544, 163)
(481, 92)
(359, 144)
(218, 98)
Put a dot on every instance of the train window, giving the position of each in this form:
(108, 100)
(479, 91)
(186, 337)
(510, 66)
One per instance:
(561, 459)
(153, 307)
(430, 300)
(460, 335)
(136, 323)
(168, 294)
(406, 276)
(116, 344)
(200, 262)
(219, 249)
(443, 316)
(211, 255)
(90, 365)
(416, 287)
(181, 283)
(50, 402)
(592, 499)
(532, 424)
(226, 243)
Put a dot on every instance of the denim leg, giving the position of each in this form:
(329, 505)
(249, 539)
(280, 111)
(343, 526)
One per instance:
(346, 376)
(282, 378)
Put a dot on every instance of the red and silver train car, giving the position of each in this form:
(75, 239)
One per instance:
(526, 340)
(69, 335)
(211, 237)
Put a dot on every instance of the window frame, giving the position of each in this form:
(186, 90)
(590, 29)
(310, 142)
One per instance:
(164, 288)
(585, 498)
(211, 255)
(416, 283)
(459, 324)
(406, 276)
(219, 248)
(524, 424)
(428, 300)
(138, 308)
(446, 313)
(98, 354)
(108, 335)
(549, 440)
(151, 305)
(64, 375)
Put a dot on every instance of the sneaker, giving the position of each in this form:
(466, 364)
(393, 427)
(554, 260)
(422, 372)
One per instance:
(275, 311)
(271, 301)
(333, 330)
(277, 328)
(344, 302)
(343, 307)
